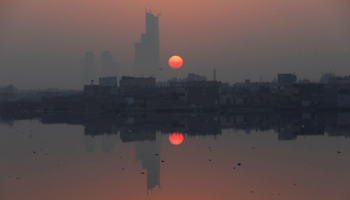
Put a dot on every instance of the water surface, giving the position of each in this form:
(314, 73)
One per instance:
(275, 156)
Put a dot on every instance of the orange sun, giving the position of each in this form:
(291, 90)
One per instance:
(175, 62)
(176, 138)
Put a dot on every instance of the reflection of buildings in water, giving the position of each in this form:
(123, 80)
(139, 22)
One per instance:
(288, 126)
(149, 154)
(7, 122)
(141, 127)
(134, 133)
(89, 143)
(145, 130)
(307, 125)
(343, 119)
(338, 132)
(341, 127)
(311, 127)
(249, 122)
(107, 144)
(100, 128)
(8, 118)
(203, 125)
(287, 133)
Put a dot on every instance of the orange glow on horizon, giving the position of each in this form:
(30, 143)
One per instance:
(175, 62)
(176, 138)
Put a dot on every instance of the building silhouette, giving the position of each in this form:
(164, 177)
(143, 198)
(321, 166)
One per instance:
(148, 152)
(286, 79)
(147, 59)
(87, 68)
(108, 81)
(108, 67)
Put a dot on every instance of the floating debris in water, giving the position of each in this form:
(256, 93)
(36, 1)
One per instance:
(209, 159)
(239, 164)
(142, 173)
(34, 151)
(339, 152)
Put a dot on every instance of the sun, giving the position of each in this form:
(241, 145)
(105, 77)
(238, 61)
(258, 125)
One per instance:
(175, 62)
(176, 138)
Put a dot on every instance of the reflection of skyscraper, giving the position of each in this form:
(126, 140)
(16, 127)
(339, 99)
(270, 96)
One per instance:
(87, 68)
(147, 51)
(108, 67)
(149, 154)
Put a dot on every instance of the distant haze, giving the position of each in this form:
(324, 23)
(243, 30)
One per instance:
(41, 41)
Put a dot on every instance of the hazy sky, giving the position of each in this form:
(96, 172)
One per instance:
(41, 41)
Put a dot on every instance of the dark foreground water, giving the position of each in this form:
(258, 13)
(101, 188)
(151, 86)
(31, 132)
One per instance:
(263, 157)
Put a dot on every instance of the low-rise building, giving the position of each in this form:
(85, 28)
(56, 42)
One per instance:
(343, 100)
(127, 81)
(108, 81)
(286, 79)
(133, 85)
(100, 90)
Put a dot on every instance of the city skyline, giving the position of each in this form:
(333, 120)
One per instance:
(41, 45)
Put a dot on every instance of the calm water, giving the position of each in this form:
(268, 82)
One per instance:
(264, 157)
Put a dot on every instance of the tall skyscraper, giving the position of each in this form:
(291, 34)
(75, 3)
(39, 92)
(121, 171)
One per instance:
(87, 69)
(106, 62)
(108, 67)
(147, 59)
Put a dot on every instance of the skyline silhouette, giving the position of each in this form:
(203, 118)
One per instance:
(41, 45)
(163, 99)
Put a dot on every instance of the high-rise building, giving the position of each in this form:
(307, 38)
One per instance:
(108, 67)
(87, 69)
(106, 62)
(147, 59)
